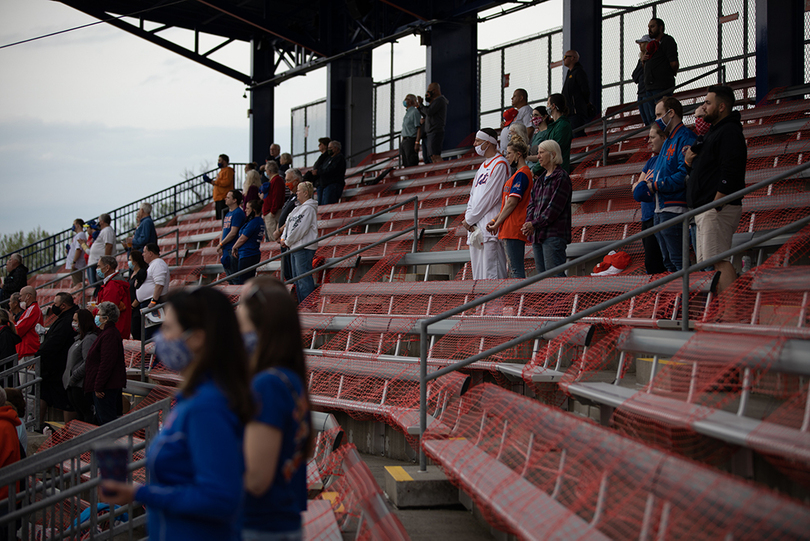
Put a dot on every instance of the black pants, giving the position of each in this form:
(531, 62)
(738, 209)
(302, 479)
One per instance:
(286, 265)
(245, 262)
(220, 209)
(135, 325)
(82, 403)
(407, 152)
(108, 408)
(653, 260)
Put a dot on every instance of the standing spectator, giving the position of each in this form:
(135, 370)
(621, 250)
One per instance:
(103, 245)
(661, 60)
(231, 225)
(520, 101)
(8, 345)
(14, 307)
(718, 170)
(487, 258)
(137, 276)
(653, 260)
(514, 200)
(145, 233)
(279, 438)
(273, 196)
(435, 119)
(251, 188)
(560, 131)
(115, 289)
(196, 463)
(540, 120)
(577, 92)
(27, 327)
(9, 449)
(16, 276)
(222, 184)
(75, 257)
(548, 215)
(503, 138)
(333, 175)
(156, 285)
(646, 109)
(16, 399)
(411, 133)
(284, 162)
(275, 153)
(105, 372)
(669, 180)
(246, 249)
(301, 228)
(293, 178)
(53, 356)
(311, 175)
(73, 378)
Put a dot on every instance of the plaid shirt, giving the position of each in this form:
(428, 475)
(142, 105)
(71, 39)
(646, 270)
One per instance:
(549, 209)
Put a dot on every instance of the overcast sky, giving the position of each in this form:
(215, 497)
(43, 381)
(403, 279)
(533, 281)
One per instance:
(93, 119)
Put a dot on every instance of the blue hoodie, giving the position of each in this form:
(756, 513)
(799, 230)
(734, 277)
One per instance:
(670, 169)
(195, 468)
(642, 194)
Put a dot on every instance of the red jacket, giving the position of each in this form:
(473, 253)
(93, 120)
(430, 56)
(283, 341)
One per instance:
(274, 198)
(26, 329)
(105, 367)
(9, 442)
(116, 291)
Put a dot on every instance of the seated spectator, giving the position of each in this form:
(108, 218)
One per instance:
(76, 256)
(332, 175)
(312, 175)
(301, 228)
(73, 377)
(222, 184)
(15, 397)
(145, 233)
(231, 225)
(279, 438)
(508, 118)
(548, 215)
(16, 277)
(9, 444)
(156, 285)
(53, 356)
(246, 249)
(137, 276)
(8, 345)
(284, 162)
(514, 200)
(115, 289)
(273, 197)
(14, 307)
(560, 131)
(105, 371)
(540, 120)
(653, 261)
(251, 187)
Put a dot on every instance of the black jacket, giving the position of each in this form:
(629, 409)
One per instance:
(54, 349)
(309, 176)
(333, 171)
(15, 281)
(720, 163)
(576, 91)
(8, 343)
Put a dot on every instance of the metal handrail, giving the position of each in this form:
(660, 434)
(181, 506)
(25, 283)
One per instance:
(22, 368)
(331, 264)
(683, 218)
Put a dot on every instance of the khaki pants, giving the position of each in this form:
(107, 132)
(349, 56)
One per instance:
(270, 223)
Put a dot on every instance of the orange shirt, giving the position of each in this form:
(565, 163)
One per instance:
(223, 183)
(519, 185)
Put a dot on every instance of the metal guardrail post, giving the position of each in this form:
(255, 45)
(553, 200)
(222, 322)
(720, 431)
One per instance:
(686, 264)
(423, 354)
(143, 343)
(37, 399)
(604, 141)
(415, 226)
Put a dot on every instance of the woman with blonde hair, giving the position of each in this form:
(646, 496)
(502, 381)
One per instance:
(252, 184)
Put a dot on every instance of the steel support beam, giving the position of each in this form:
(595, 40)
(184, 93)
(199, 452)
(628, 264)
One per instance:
(262, 101)
(780, 44)
(349, 115)
(582, 32)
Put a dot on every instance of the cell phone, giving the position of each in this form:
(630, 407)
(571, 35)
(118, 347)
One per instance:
(112, 459)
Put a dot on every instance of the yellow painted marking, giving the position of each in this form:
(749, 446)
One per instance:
(398, 473)
(660, 361)
(332, 497)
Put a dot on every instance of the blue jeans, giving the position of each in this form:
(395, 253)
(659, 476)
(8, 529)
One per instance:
(647, 111)
(548, 254)
(331, 193)
(258, 535)
(515, 254)
(245, 262)
(302, 263)
(669, 240)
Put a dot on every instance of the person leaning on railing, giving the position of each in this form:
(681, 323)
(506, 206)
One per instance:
(196, 463)
(302, 227)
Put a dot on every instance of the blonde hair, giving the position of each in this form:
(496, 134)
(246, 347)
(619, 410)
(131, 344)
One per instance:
(520, 130)
(308, 187)
(518, 145)
(552, 146)
(252, 178)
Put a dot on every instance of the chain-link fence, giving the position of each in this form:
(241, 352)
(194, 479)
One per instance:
(308, 124)
(388, 108)
(806, 42)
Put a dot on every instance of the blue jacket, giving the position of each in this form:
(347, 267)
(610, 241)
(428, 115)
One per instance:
(144, 234)
(196, 466)
(670, 170)
(643, 195)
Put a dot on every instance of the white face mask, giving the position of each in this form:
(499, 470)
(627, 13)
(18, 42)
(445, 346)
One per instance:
(480, 149)
(22, 305)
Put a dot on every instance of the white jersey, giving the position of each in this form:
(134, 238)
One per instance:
(485, 195)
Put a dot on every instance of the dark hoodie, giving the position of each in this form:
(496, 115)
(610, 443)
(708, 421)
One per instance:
(15, 281)
(720, 164)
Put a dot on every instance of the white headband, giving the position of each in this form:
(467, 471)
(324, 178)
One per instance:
(485, 137)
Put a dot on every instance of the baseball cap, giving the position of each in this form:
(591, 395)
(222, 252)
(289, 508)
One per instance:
(509, 115)
(644, 39)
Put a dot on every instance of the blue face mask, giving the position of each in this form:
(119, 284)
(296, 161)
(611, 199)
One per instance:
(99, 274)
(405, 103)
(251, 340)
(174, 354)
(220, 165)
(129, 264)
(98, 321)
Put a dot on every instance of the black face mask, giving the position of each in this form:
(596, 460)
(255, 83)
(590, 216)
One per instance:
(515, 163)
(56, 310)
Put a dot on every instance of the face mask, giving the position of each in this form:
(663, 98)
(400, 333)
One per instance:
(99, 274)
(536, 121)
(662, 123)
(480, 149)
(328, 151)
(220, 165)
(129, 264)
(75, 326)
(23, 304)
(97, 319)
(56, 310)
(251, 340)
(405, 103)
(290, 186)
(174, 354)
